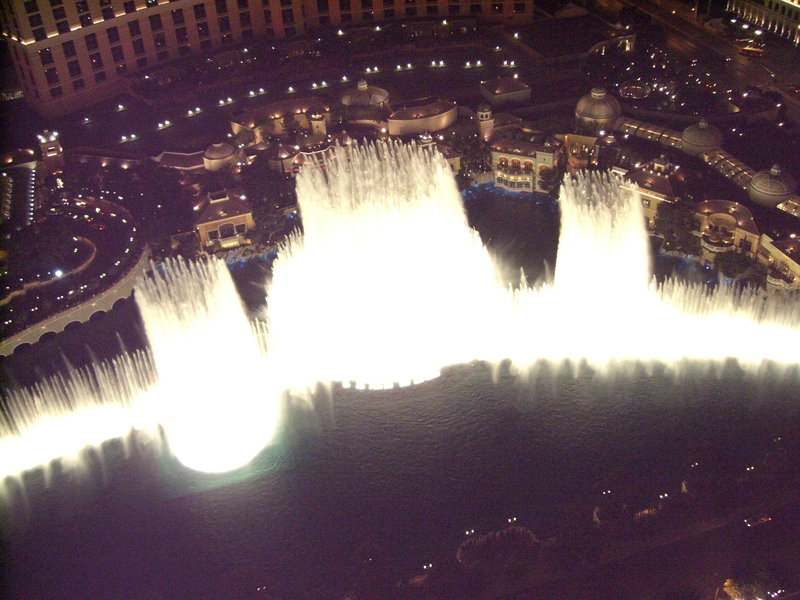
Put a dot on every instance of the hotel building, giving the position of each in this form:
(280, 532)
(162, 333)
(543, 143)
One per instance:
(72, 53)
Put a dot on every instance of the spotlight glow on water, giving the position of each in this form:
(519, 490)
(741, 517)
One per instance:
(387, 285)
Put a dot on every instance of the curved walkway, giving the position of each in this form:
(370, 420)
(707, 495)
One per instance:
(78, 314)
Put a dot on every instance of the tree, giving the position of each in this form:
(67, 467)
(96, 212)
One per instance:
(732, 264)
(676, 223)
(290, 126)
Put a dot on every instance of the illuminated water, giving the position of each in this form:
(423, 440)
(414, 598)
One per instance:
(387, 285)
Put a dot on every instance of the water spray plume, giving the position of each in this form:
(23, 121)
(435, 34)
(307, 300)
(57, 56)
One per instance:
(387, 285)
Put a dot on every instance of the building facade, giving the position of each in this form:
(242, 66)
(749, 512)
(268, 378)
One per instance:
(781, 17)
(73, 53)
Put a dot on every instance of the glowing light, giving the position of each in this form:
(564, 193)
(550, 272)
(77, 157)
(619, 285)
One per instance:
(409, 288)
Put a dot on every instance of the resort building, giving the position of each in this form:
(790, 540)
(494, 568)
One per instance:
(771, 186)
(518, 165)
(782, 257)
(70, 54)
(654, 184)
(781, 17)
(505, 89)
(224, 221)
(596, 112)
(726, 226)
(418, 116)
(268, 120)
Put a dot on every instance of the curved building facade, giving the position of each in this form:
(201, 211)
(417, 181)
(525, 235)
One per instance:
(700, 138)
(428, 114)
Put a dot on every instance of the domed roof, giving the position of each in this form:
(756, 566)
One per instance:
(219, 151)
(702, 135)
(598, 104)
(773, 182)
(484, 107)
(365, 95)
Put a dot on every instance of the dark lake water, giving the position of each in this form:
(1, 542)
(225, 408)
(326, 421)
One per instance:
(400, 472)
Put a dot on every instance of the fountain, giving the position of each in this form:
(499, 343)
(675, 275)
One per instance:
(387, 285)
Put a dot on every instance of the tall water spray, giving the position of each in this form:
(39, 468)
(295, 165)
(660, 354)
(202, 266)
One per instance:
(387, 285)
(219, 407)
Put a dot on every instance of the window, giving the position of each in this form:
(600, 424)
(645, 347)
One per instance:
(244, 19)
(181, 35)
(324, 20)
(160, 41)
(134, 28)
(199, 11)
(162, 56)
(366, 3)
(129, 7)
(247, 34)
(31, 6)
(113, 35)
(108, 13)
(59, 14)
(62, 27)
(227, 39)
(117, 54)
(100, 77)
(222, 6)
(205, 46)
(432, 10)
(288, 31)
(121, 69)
(39, 34)
(268, 16)
(347, 17)
(177, 17)
(82, 6)
(519, 7)
(56, 91)
(454, 9)
(86, 20)
(91, 41)
(74, 68)
(224, 24)
(96, 60)
(368, 16)
(151, 3)
(56, 2)
(184, 50)
(35, 20)
(46, 56)
(69, 48)
(497, 8)
(287, 16)
(141, 63)
(411, 11)
(51, 75)
(138, 46)
(105, 2)
(78, 84)
(242, 4)
(474, 8)
(202, 29)
(241, 228)
(155, 23)
(213, 234)
(344, 4)
(388, 13)
(322, 6)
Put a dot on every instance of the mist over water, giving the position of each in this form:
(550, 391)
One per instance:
(388, 285)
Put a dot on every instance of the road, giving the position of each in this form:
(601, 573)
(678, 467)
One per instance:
(777, 70)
